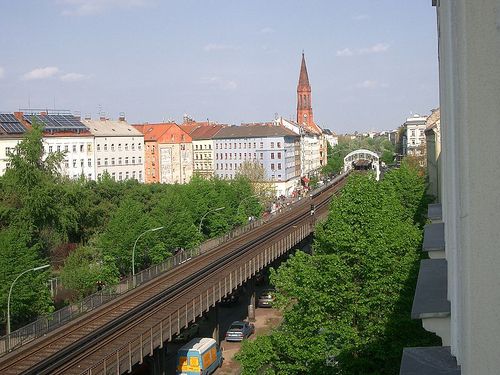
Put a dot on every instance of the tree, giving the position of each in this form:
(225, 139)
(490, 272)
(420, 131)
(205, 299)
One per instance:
(85, 268)
(350, 302)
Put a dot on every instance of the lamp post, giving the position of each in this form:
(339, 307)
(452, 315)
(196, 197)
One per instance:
(206, 213)
(133, 250)
(10, 292)
(243, 200)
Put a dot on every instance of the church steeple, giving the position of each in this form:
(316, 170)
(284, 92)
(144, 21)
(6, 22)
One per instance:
(304, 107)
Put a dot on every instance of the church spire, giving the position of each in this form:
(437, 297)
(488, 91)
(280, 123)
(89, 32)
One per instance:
(303, 78)
(304, 107)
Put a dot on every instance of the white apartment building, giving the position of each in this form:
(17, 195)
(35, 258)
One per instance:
(414, 143)
(311, 147)
(7, 144)
(79, 153)
(118, 149)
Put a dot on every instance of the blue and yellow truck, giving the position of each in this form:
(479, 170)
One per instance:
(199, 356)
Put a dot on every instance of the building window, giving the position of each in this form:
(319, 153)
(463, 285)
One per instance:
(272, 166)
(140, 175)
(278, 144)
(89, 147)
(279, 155)
(133, 175)
(66, 148)
(81, 148)
(82, 162)
(119, 146)
(133, 159)
(261, 144)
(272, 144)
(89, 162)
(140, 159)
(98, 161)
(112, 147)
(126, 146)
(66, 163)
(272, 153)
(126, 160)
(120, 176)
(112, 161)
(113, 175)
(139, 146)
(74, 163)
(58, 148)
(119, 161)
(98, 147)
(279, 166)
(261, 155)
(74, 148)
(105, 147)
(126, 175)
(106, 161)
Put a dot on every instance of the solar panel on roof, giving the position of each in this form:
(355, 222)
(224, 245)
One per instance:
(10, 124)
(58, 122)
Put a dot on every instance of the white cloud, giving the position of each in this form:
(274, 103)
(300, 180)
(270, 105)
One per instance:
(41, 73)
(360, 17)
(267, 30)
(376, 48)
(371, 84)
(345, 52)
(2, 72)
(73, 77)
(91, 7)
(219, 47)
(219, 82)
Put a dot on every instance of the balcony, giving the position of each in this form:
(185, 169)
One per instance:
(434, 243)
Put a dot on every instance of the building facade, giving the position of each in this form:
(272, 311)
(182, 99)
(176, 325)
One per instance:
(414, 144)
(204, 149)
(168, 153)
(271, 147)
(119, 149)
(465, 312)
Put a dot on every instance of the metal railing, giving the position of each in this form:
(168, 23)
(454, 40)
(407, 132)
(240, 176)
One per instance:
(50, 322)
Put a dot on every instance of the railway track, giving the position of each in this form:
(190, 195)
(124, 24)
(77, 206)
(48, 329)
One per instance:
(74, 347)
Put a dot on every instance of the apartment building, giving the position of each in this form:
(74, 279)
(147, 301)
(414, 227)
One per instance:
(457, 294)
(203, 146)
(118, 149)
(65, 133)
(168, 154)
(273, 148)
(11, 133)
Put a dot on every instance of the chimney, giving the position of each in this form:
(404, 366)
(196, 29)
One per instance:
(18, 115)
(121, 116)
(43, 113)
(88, 117)
(102, 116)
(78, 115)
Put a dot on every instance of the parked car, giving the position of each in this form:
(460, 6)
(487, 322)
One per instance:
(266, 298)
(239, 330)
(188, 333)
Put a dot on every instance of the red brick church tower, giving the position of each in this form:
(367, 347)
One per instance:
(304, 108)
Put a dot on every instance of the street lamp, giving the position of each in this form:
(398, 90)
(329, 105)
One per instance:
(243, 200)
(133, 250)
(201, 221)
(10, 292)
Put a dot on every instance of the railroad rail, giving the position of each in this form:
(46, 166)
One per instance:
(117, 335)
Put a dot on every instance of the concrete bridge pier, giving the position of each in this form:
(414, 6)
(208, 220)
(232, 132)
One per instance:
(157, 363)
(251, 304)
(213, 319)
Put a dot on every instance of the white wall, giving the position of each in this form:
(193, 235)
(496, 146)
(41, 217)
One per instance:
(469, 54)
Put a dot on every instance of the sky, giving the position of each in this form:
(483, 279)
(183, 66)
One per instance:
(371, 63)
